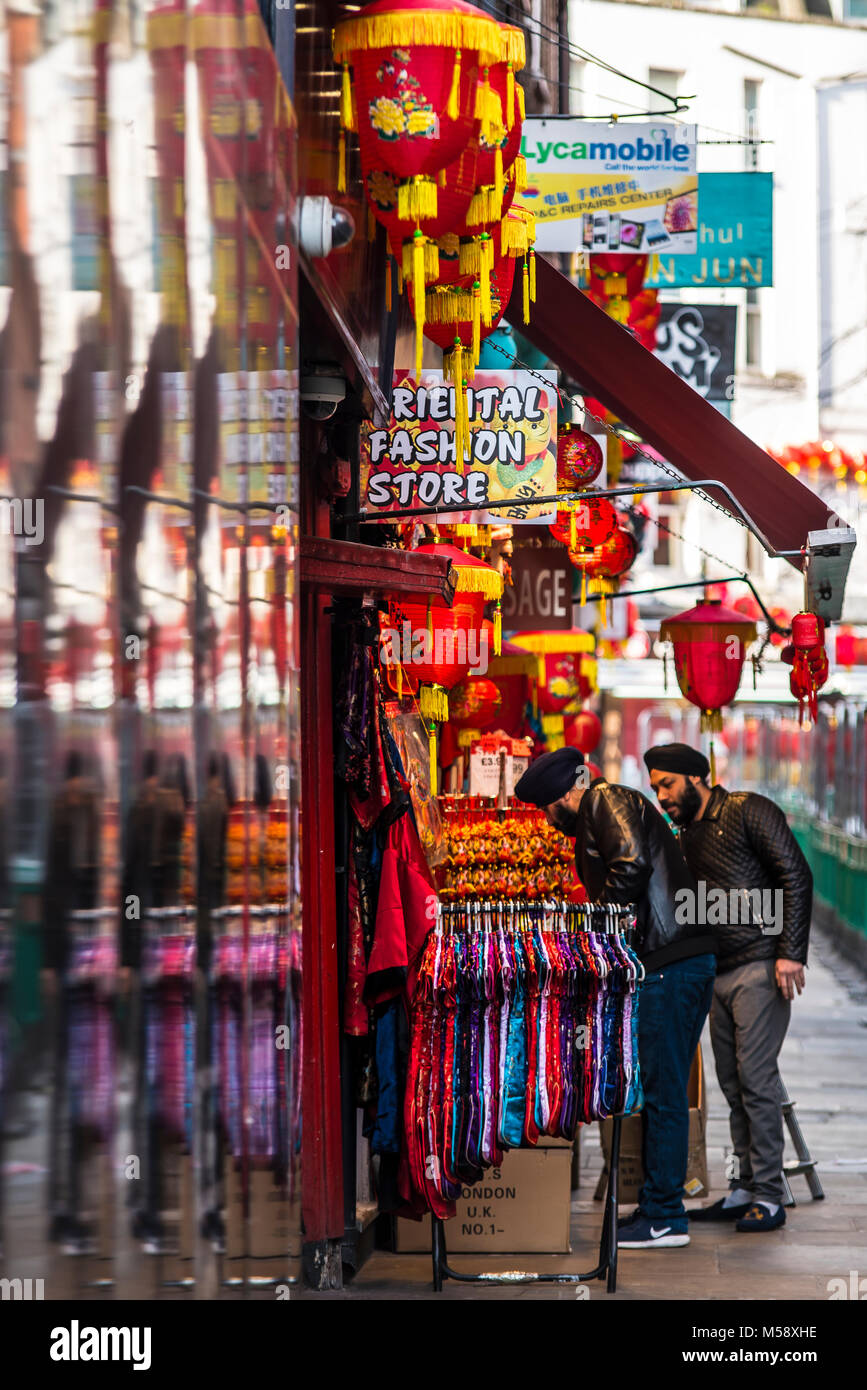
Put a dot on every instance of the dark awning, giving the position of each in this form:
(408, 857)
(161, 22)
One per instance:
(686, 429)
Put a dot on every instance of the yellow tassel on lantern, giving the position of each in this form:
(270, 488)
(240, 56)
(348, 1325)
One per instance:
(453, 106)
(399, 681)
(712, 761)
(347, 110)
(533, 276)
(341, 161)
(418, 297)
(417, 198)
(442, 178)
(499, 180)
(433, 702)
(498, 629)
(522, 106)
(477, 322)
(488, 111)
(526, 286)
(510, 96)
(583, 587)
(399, 278)
(434, 758)
(470, 256)
(431, 260)
(430, 620)
(573, 529)
(487, 259)
(518, 172)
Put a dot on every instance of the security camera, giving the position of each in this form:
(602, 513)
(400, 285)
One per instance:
(323, 228)
(322, 390)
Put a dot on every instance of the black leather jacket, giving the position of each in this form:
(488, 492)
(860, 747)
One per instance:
(625, 853)
(743, 841)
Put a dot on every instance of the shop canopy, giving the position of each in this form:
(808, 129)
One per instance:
(610, 364)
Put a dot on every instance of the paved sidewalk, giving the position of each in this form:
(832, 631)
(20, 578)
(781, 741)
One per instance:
(823, 1064)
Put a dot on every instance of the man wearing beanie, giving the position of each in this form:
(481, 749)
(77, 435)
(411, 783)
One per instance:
(625, 853)
(756, 892)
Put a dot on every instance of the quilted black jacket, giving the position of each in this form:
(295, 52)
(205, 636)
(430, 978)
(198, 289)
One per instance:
(743, 841)
(625, 853)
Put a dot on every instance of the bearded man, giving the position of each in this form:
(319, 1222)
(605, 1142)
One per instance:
(756, 893)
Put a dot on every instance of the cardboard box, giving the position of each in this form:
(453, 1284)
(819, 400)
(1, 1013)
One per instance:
(631, 1133)
(522, 1206)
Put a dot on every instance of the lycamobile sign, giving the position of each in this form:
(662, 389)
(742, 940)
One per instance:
(616, 188)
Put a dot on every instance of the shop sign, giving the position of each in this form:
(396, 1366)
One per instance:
(735, 236)
(512, 456)
(697, 342)
(611, 188)
(539, 598)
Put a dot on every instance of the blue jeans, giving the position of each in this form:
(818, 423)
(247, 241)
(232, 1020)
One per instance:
(674, 1005)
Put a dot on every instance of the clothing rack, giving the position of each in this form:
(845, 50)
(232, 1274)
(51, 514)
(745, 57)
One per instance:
(521, 915)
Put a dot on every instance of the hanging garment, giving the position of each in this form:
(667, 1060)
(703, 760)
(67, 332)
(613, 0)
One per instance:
(524, 1023)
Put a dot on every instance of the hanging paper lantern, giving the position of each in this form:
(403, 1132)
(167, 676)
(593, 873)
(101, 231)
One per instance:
(418, 91)
(583, 731)
(808, 631)
(474, 576)
(709, 649)
(605, 563)
(474, 704)
(579, 459)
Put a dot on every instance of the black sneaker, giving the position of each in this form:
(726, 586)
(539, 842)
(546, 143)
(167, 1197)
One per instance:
(628, 1220)
(758, 1218)
(720, 1212)
(645, 1234)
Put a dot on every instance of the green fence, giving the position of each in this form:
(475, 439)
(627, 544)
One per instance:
(839, 864)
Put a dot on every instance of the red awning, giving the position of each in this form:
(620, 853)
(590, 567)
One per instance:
(686, 429)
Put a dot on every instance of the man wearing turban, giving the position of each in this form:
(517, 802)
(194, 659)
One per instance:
(755, 890)
(626, 854)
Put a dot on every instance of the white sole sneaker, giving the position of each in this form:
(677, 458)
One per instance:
(658, 1242)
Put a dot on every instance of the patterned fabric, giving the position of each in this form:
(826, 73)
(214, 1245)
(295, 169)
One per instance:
(743, 842)
(524, 1023)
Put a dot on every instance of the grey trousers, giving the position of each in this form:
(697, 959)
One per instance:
(748, 1022)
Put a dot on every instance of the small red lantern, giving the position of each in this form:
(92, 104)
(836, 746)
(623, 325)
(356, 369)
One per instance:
(583, 731)
(579, 459)
(474, 704)
(604, 565)
(808, 631)
(709, 649)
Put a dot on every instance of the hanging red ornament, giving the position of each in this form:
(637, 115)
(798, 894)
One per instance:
(418, 89)
(709, 649)
(579, 459)
(474, 704)
(583, 731)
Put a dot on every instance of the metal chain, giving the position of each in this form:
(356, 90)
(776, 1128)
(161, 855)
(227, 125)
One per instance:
(657, 463)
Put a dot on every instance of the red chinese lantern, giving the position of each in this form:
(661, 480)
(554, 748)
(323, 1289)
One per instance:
(474, 704)
(562, 653)
(579, 459)
(604, 565)
(709, 649)
(845, 647)
(418, 91)
(583, 731)
(590, 523)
